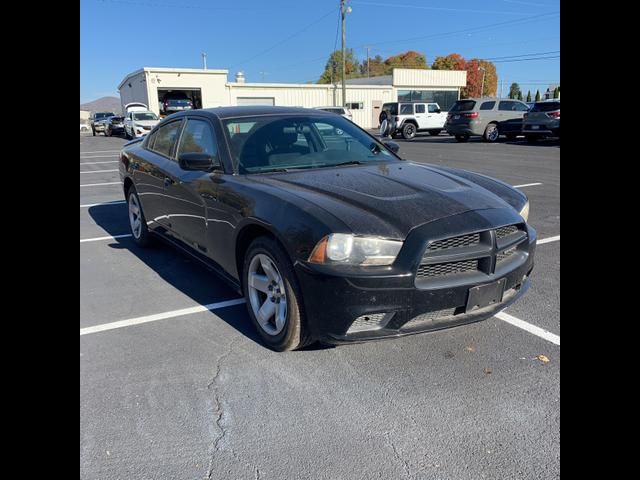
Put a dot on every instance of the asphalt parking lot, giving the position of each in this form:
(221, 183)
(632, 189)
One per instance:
(182, 389)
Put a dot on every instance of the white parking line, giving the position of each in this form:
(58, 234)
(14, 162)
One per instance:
(101, 171)
(96, 163)
(97, 184)
(160, 316)
(116, 202)
(100, 151)
(537, 331)
(97, 239)
(527, 185)
(548, 240)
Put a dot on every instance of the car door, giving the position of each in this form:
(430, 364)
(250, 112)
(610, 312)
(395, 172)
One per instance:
(510, 115)
(150, 175)
(435, 116)
(420, 110)
(189, 192)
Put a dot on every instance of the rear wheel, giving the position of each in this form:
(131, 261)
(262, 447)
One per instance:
(408, 131)
(462, 138)
(435, 133)
(137, 221)
(491, 133)
(273, 296)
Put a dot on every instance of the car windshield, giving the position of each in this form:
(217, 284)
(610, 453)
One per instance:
(104, 115)
(281, 143)
(463, 105)
(145, 116)
(546, 107)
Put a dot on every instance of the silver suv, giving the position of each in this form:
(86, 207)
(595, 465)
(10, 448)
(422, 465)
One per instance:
(486, 117)
(543, 120)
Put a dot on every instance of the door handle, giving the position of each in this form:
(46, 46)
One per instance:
(168, 181)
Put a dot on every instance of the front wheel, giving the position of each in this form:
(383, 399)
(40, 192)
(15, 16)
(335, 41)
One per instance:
(408, 131)
(273, 296)
(137, 221)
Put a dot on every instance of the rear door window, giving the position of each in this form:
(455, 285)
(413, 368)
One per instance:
(420, 108)
(487, 105)
(166, 138)
(507, 105)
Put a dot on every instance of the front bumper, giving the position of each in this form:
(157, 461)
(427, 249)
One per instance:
(333, 301)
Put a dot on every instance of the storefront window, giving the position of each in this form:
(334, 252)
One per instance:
(444, 98)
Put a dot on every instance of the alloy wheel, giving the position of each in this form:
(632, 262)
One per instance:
(267, 294)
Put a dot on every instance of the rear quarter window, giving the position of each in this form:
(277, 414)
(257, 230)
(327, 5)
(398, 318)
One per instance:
(406, 109)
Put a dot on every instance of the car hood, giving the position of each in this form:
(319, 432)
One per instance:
(386, 198)
(147, 123)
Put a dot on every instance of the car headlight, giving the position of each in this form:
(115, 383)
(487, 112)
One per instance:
(525, 211)
(347, 249)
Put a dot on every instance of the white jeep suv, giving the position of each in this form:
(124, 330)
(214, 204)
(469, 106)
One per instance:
(407, 119)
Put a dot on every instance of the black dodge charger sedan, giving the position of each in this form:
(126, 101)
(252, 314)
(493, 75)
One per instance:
(327, 232)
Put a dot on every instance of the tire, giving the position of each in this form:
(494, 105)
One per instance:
(434, 133)
(462, 138)
(384, 128)
(291, 333)
(531, 138)
(141, 235)
(491, 133)
(409, 131)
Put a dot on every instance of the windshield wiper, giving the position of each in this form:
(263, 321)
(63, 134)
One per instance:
(350, 162)
(270, 170)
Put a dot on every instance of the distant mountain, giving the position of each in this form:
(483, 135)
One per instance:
(104, 104)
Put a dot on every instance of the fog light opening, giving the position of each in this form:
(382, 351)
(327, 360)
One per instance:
(370, 321)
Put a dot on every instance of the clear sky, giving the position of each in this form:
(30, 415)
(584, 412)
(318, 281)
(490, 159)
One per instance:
(289, 41)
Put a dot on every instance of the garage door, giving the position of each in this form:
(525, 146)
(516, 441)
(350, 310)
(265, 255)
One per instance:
(255, 101)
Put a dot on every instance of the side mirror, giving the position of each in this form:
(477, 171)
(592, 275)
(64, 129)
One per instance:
(438, 111)
(195, 161)
(393, 146)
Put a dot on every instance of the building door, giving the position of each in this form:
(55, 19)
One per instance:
(376, 108)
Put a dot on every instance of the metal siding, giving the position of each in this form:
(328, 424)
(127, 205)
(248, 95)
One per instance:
(429, 79)
(136, 93)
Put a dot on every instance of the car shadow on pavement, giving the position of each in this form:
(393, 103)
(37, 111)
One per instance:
(187, 275)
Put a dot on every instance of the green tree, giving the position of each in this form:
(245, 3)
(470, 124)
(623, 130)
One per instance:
(537, 95)
(520, 95)
(514, 90)
(529, 96)
(376, 67)
(556, 92)
(333, 67)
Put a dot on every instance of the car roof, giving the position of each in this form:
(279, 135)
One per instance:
(250, 111)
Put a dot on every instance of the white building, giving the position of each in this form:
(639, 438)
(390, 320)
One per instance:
(365, 96)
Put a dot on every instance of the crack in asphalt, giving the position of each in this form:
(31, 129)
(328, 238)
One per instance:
(219, 411)
(405, 464)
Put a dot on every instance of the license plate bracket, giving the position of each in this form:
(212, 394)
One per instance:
(485, 295)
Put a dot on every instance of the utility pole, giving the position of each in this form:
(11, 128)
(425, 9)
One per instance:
(204, 60)
(343, 11)
(368, 65)
(482, 87)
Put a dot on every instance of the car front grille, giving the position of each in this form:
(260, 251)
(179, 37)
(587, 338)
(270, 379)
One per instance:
(455, 242)
(429, 317)
(440, 269)
(478, 253)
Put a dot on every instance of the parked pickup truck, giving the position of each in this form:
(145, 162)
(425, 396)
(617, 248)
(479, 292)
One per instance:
(407, 119)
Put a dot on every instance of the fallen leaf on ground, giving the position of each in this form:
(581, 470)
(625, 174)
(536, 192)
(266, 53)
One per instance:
(543, 358)
(470, 349)
(487, 371)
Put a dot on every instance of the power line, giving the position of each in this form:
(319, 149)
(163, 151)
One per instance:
(288, 38)
(527, 59)
(522, 55)
(442, 9)
(532, 18)
(191, 7)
